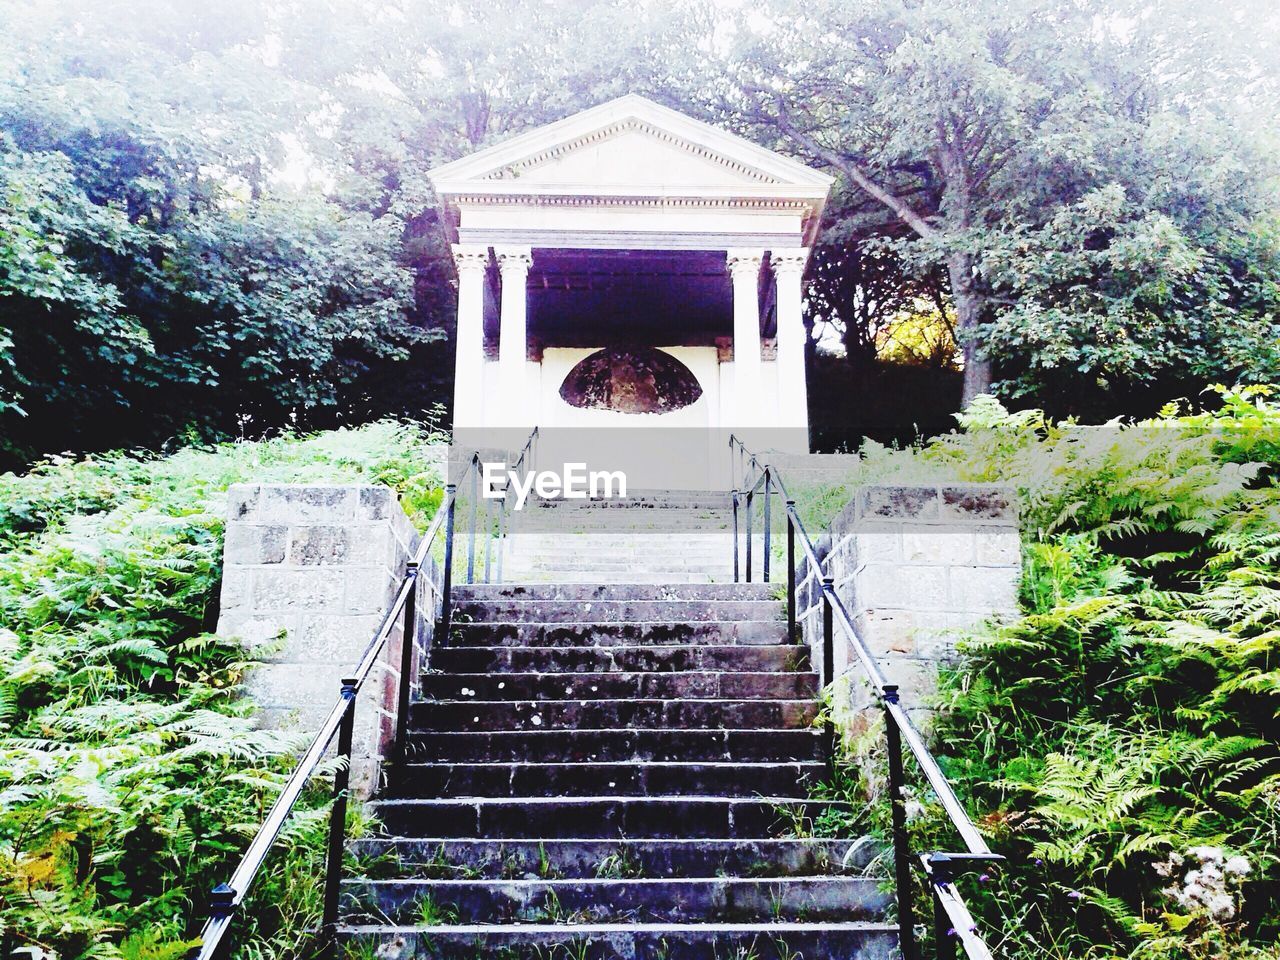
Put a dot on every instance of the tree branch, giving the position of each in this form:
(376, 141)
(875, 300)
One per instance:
(854, 172)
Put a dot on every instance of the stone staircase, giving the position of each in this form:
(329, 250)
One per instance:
(650, 537)
(613, 771)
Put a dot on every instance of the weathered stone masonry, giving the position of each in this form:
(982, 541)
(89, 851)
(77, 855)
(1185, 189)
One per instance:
(309, 572)
(916, 566)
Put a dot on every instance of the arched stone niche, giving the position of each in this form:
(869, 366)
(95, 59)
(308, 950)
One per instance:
(632, 380)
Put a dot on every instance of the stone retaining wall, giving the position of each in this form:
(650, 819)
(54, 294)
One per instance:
(915, 566)
(308, 573)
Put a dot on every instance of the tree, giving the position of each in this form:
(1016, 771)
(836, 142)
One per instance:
(862, 290)
(977, 127)
(267, 163)
(156, 269)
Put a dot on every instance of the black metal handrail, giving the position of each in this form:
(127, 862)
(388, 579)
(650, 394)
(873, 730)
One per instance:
(952, 921)
(227, 898)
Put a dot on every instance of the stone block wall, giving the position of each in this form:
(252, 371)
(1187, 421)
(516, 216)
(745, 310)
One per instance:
(309, 571)
(915, 566)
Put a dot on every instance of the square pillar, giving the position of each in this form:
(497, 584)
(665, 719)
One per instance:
(513, 335)
(744, 268)
(788, 269)
(320, 564)
(468, 385)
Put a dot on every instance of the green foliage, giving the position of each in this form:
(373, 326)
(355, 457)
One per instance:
(131, 772)
(157, 269)
(1124, 728)
(1119, 739)
(221, 217)
(1085, 181)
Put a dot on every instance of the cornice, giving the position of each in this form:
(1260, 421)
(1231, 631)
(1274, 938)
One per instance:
(604, 200)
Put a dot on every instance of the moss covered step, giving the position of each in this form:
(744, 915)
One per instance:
(616, 611)
(615, 745)
(619, 778)
(472, 858)
(629, 713)
(606, 816)
(635, 632)
(644, 900)
(629, 941)
(702, 685)
(617, 658)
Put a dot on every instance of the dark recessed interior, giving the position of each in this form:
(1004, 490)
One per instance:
(590, 297)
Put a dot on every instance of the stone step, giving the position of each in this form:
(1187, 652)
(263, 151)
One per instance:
(617, 542)
(633, 502)
(619, 545)
(652, 900)
(594, 576)
(626, 714)
(615, 746)
(623, 552)
(602, 816)
(609, 686)
(613, 658)
(586, 572)
(632, 633)
(515, 859)
(618, 569)
(700, 516)
(614, 591)
(624, 778)
(708, 941)
(616, 611)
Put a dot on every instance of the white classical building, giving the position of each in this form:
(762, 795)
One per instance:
(631, 266)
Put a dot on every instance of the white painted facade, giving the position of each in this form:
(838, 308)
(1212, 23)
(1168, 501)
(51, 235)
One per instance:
(630, 178)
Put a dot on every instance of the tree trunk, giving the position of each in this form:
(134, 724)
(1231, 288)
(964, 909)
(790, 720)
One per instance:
(969, 302)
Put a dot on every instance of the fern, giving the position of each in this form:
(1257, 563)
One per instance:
(131, 771)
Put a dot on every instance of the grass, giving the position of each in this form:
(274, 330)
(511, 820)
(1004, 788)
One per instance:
(429, 912)
(620, 865)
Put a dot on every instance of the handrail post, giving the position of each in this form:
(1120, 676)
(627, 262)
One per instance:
(791, 574)
(446, 586)
(736, 574)
(828, 638)
(901, 845)
(768, 499)
(750, 497)
(943, 936)
(338, 812)
(502, 536)
(488, 539)
(222, 905)
(475, 505)
(408, 636)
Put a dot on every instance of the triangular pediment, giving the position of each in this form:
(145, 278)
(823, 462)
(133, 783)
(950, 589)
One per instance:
(631, 152)
(630, 143)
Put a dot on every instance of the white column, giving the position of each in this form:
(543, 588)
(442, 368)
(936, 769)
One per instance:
(744, 267)
(514, 262)
(468, 369)
(788, 267)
